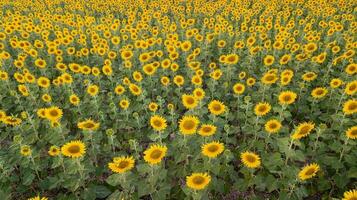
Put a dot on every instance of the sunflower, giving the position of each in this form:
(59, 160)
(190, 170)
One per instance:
(155, 154)
(287, 97)
(216, 107)
(189, 101)
(121, 164)
(309, 76)
(351, 69)
(199, 93)
(73, 149)
(303, 130)
(46, 98)
(74, 99)
(53, 113)
(134, 89)
(351, 88)
(153, 106)
(88, 125)
(158, 123)
(38, 198)
(43, 82)
(350, 195)
(250, 82)
(262, 108)
(335, 83)
(25, 150)
(179, 80)
(250, 159)
(54, 151)
(124, 104)
(238, 88)
(198, 181)
(272, 126)
(212, 149)
(308, 171)
(119, 89)
(188, 125)
(351, 133)
(350, 107)
(268, 60)
(231, 59)
(269, 78)
(207, 130)
(92, 90)
(319, 92)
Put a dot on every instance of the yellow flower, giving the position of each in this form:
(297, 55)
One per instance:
(134, 89)
(121, 164)
(351, 133)
(351, 69)
(309, 171)
(216, 107)
(287, 97)
(38, 198)
(262, 108)
(212, 149)
(119, 89)
(198, 181)
(54, 151)
(199, 93)
(309, 76)
(303, 130)
(350, 107)
(231, 59)
(124, 104)
(319, 92)
(158, 123)
(73, 149)
(269, 78)
(335, 83)
(153, 106)
(269, 60)
(238, 88)
(189, 101)
(74, 99)
(25, 150)
(272, 126)
(351, 88)
(250, 159)
(93, 90)
(53, 113)
(188, 125)
(350, 195)
(155, 154)
(207, 130)
(88, 125)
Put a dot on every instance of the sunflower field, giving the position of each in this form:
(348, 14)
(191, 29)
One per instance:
(178, 99)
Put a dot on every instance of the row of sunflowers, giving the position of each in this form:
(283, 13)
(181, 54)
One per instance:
(224, 99)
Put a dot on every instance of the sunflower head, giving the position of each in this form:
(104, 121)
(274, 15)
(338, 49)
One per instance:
(351, 133)
(216, 107)
(188, 125)
(189, 101)
(198, 181)
(350, 107)
(73, 149)
(121, 164)
(262, 108)
(154, 154)
(250, 159)
(272, 126)
(88, 125)
(287, 97)
(212, 149)
(308, 171)
(158, 123)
